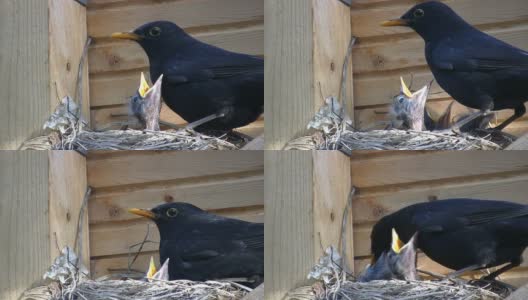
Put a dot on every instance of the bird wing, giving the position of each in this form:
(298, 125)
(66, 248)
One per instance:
(182, 74)
(478, 53)
(449, 221)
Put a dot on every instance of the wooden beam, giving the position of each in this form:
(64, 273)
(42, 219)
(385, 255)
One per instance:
(39, 200)
(520, 144)
(305, 195)
(40, 45)
(305, 46)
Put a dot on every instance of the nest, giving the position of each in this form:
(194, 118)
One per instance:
(394, 290)
(139, 290)
(348, 140)
(333, 131)
(68, 132)
(69, 280)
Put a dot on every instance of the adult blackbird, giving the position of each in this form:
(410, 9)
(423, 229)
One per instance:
(202, 246)
(476, 69)
(205, 85)
(461, 234)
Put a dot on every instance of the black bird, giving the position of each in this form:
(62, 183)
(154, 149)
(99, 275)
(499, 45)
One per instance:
(202, 246)
(205, 85)
(476, 69)
(397, 263)
(460, 234)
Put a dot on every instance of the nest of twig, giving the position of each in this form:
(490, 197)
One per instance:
(394, 290)
(139, 290)
(130, 140)
(333, 131)
(68, 132)
(348, 140)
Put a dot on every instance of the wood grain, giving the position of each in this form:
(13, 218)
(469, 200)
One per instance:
(24, 79)
(24, 220)
(67, 188)
(418, 166)
(332, 185)
(289, 227)
(187, 14)
(128, 168)
(67, 27)
(303, 63)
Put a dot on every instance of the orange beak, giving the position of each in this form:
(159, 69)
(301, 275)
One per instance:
(396, 22)
(143, 212)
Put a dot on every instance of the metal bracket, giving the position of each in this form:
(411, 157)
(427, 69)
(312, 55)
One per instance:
(83, 2)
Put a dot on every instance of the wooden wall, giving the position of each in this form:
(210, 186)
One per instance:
(383, 54)
(235, 25)
(228, 183)
(40, 198)
(41, 43)
(389, 181)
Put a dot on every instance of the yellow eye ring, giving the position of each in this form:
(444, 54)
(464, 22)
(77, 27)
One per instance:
(419, 13)
(172, 212)
(155, 31)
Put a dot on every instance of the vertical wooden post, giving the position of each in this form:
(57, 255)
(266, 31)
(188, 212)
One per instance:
(305, 46)
(305, 197)
(41, 44)
(40, 196)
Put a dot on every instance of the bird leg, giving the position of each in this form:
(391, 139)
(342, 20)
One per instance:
(519, 112)
(459, 124)
(458, 273)
(506, 268)
(205, 120)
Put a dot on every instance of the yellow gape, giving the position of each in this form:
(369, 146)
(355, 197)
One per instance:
(405, 89)
(152, 269)
(143, 86)
(397, 244)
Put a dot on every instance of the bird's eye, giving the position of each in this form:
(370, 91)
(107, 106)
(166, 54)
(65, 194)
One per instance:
(155, 31)
(172, 212)
(401, 99)
(419, 13)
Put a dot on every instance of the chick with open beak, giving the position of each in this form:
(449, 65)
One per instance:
(145, 105)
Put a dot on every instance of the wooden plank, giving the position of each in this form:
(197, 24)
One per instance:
(366, 24)
(24, 236)
(303, 62)
(520, 144)
(67, 188)
(219, 193)
(126, 55)
(149, 166)
(289, 240)
(417, 166)
(331, 190)
(24, 79)
(115, 238)
(67, 35)
(103, 22)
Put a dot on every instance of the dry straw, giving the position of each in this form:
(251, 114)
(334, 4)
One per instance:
(394, 290)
